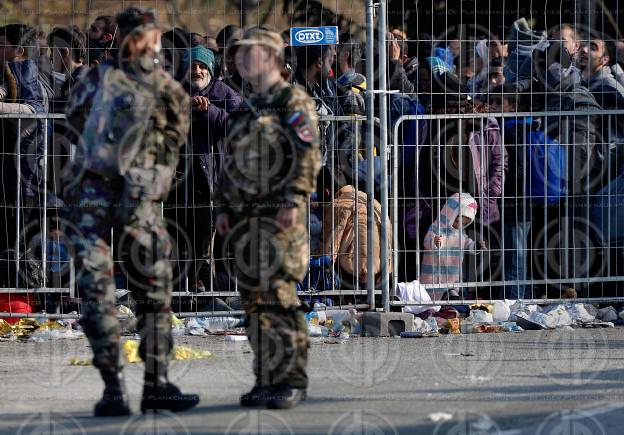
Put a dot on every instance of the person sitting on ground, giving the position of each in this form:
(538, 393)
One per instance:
(446, 243)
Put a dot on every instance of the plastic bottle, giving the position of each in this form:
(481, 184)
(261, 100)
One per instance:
(317, 331)
(316, 317)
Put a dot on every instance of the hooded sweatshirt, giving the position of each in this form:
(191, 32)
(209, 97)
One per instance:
(442, 264)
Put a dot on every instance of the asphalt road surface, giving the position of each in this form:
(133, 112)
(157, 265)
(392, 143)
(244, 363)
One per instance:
(536, 382)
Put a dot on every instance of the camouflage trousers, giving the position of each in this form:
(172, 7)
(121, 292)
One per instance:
(267, 262)
(279, 339)
(93, 207)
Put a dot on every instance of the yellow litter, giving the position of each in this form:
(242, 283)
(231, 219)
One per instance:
(79, 362)
(175, 322)
(122, 309)
(5, 327)
(131, 348)
(131, 351)
(22, 328)
(51, 324)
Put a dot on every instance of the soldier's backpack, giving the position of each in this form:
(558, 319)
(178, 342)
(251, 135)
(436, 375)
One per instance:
(119, 117)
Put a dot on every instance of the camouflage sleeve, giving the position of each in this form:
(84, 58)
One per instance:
(220, 202)
(178, 112)
(80, 99)
(301, 123)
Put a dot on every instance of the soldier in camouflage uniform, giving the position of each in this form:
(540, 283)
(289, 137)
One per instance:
(269, 173)
(132, 118)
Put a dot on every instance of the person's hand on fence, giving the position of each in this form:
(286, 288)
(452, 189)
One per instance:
(483, 244)
(394, 50)
(286, 217)
(223, 224)
(201, 103)
(437, 241)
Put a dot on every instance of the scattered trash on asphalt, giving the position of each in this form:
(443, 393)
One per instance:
(475, 378)
(333, 323)
(484, 423)
(438, 417)
(131, 353)
(236, 338)
(608, 314)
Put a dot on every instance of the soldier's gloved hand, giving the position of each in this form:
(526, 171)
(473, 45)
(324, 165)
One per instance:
(286, 217)
(223, 224)
(201, 103)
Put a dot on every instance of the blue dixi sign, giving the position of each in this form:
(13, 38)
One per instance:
(314, 35)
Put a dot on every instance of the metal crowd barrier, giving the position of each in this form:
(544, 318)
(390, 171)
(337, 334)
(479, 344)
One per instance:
(357, 294)
(184, 293)
(571, 211)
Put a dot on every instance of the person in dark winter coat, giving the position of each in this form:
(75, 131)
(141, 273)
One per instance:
(212, 102)
(20, 92)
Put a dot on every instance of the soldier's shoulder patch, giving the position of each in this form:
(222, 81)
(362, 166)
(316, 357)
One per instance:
(298, 121)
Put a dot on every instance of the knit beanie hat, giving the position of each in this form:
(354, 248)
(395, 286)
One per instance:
(200, 54)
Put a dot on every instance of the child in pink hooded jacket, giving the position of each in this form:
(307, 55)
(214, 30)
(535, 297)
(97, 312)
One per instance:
(446, 243)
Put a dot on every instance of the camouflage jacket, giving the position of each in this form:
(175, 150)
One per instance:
(158, 151)
(273, 153)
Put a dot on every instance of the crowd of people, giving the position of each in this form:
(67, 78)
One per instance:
(490, 170)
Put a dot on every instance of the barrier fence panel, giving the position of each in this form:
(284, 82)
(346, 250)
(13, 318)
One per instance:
(570, 239)
(202, 286)
(548, 187)
(549, 203)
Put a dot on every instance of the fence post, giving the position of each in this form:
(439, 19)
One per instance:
(18, 204)
(44, 227)
(383, 139)
(395, 205)
(370, 152)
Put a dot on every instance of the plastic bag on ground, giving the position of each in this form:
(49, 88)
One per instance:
(579, 314)
(556, 316)
(501, 311)
(479, 316)
(520, 307)
(194, 325)
(333, 323)
(423, 326)
(47, 334)
(415, 292)
(607, 314)
(437, 417)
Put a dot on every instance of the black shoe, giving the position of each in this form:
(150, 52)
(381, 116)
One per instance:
(167, 397)
(112, 406)
(114, 402)
(286, 397)
(258, 396)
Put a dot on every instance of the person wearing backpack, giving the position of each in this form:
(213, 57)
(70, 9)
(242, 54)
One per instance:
(516, 204)
(132, 118)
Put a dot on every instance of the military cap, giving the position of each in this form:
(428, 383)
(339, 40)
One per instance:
(262, 36)
(133, 17)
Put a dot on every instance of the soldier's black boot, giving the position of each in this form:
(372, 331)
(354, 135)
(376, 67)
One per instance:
(258, 396)
(284, 396)
(162, 394)
(114, 402)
